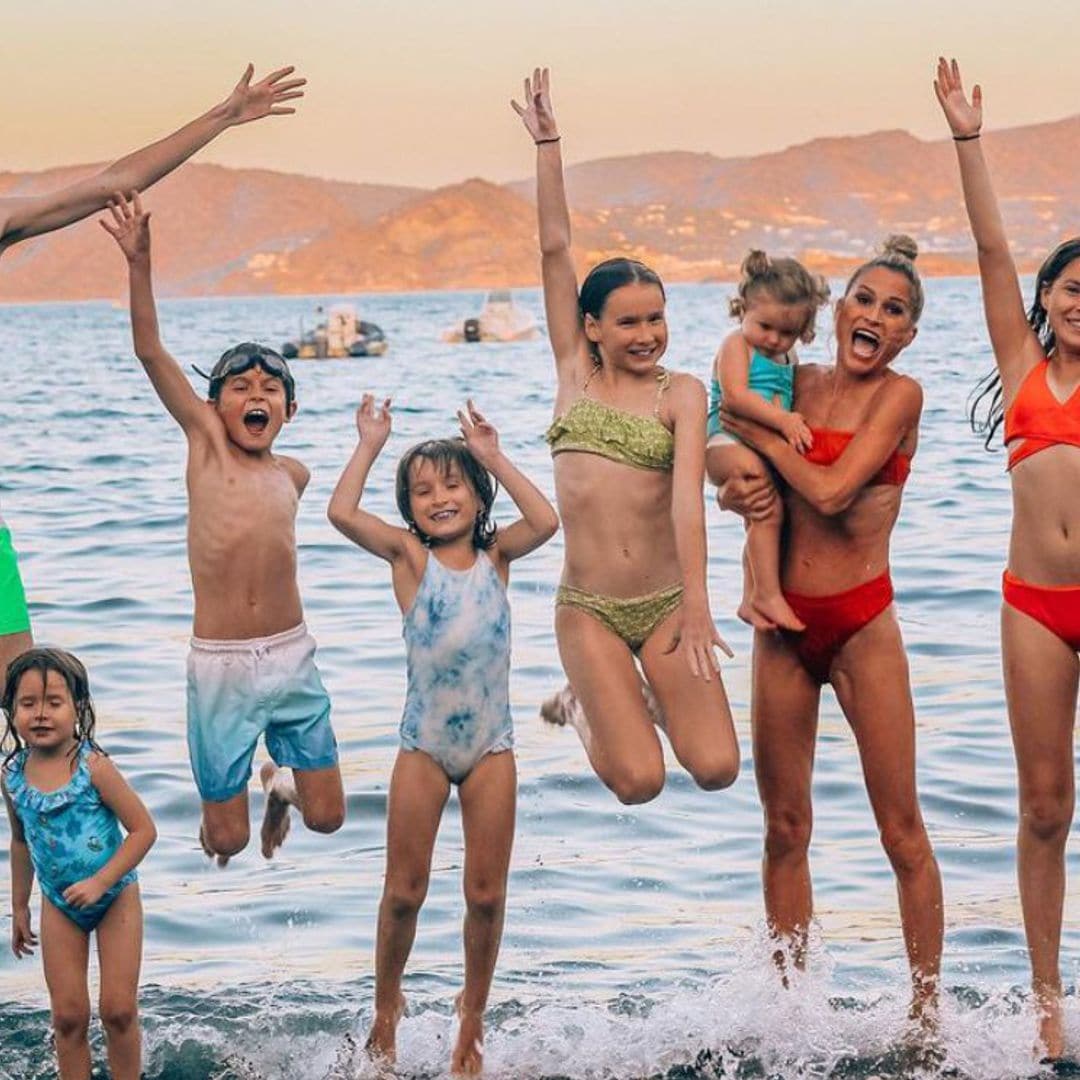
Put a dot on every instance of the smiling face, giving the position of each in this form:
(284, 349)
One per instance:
(253, 406)
(1061, 298)
(443, 504)
(770, 327)
(631, 330)
(43, 712)
(874, 320)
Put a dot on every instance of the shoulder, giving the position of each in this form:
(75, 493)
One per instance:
(684, 388)
(900, 392)
(734, 345)
(298, 472)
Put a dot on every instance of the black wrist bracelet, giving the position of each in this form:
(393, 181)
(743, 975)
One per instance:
(966, 138)
(542, 142)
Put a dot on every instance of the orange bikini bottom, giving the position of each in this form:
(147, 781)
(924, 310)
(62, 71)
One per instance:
(1057, 607)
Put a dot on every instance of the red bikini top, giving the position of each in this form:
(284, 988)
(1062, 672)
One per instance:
(1037, 417)
(829, 444)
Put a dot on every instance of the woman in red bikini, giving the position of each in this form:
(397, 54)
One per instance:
(1035, 391)
(842, 502)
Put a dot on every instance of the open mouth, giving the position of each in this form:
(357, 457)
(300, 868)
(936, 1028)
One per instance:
(864, 344)
(444, 515)
(256, 420)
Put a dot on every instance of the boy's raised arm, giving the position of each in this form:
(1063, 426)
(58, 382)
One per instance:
(129, 225)
(21, 218)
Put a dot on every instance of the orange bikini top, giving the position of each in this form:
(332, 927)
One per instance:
(1037, 417)
(829, 444)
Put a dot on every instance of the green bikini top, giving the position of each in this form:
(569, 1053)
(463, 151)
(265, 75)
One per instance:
(591, 427)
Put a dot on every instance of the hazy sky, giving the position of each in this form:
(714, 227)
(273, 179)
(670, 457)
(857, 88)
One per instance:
(415, 91)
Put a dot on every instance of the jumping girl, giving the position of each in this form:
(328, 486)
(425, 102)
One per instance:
(842, 501)
(629, 446)
(1035, 393)
(754, 377)
(449, 569)
(65, 798)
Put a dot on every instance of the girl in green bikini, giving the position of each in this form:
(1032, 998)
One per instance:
(629, 447)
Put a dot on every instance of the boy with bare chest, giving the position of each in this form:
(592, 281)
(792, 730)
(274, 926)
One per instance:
(251, 669)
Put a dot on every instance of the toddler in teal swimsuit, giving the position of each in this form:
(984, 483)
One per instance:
(754, 377)
(449, 570)
(66, 802)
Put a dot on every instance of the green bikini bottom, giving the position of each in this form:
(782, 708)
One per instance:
(633, 619)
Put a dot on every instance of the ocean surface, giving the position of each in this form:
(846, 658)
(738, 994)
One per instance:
(633, 944)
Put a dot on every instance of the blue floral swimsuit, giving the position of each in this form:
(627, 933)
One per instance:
(71, 834)
(457, 645)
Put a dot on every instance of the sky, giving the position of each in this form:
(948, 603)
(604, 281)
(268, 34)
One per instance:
(416, 91)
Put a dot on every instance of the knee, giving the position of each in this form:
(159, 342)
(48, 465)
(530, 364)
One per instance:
(717, 772)
(906, 844)
(787, 834)
(485, 899)
(403, 897)
(325, 819)
(71, 1020)
(119, 1016)
(635, 784)
(1046, 815)
(226, 838)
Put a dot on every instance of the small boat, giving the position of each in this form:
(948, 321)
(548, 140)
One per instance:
(341, 333)
(500, 319)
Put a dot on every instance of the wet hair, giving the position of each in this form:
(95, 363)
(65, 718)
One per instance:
(444, 455)
(898, 253)
(988, 388)
(786, 281)
(71, 670)
(603, 279)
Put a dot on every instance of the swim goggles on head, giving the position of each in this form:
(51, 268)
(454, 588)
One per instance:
(244, 357)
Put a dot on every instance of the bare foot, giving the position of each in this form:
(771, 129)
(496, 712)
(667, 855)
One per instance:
(777, 610)
(749, 614)
(1051, 1046)
(275, 826)
(381, 1042)
(222, 860)
(564, 710)
(468, 1056)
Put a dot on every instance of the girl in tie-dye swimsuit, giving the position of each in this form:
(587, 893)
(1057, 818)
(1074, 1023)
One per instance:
(449, 569)
(66, 801)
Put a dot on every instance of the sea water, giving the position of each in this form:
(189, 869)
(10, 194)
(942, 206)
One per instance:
(633, 943)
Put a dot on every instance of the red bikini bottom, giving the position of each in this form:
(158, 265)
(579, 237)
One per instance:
(1057, 607)
(832, 620)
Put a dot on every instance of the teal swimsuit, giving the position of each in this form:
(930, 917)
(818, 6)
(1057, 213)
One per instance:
(71, 834)
(769, 379)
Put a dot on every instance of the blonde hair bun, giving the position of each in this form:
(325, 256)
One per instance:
(901, 244)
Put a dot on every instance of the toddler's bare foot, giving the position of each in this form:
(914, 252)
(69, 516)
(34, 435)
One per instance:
(750, 615)
(279, 796)
(222, 860)
(778, 611)
(381, 1042)
(1051, 1044)
(468, 1056)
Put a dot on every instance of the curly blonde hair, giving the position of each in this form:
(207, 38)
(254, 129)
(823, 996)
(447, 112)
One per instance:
(786, 281)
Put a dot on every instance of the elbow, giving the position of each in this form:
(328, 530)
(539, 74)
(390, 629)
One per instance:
(151, 834)
(833, 502)
(549, 526)
(337, 515)
(551, 246)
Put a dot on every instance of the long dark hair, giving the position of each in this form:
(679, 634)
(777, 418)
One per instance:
(445, 454)
(70, 669)
(988, 388)
(603, 279)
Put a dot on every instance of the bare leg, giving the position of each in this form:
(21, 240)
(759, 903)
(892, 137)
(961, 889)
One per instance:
(225, 828)
(488, 798)
(1041, 675)
(870, 677)
(784, 718)
(119, 941)
(697, 715)
(11, 645)
(563, 707)
(316, 793)
(65, 953)
(418, 793)
(621, 740)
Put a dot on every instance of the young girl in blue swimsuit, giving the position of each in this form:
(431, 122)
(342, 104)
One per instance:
(65, 799)
(449, 570)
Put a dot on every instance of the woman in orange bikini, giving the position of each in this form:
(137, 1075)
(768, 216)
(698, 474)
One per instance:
(842, 503)
(629, 446)
(1035, 391)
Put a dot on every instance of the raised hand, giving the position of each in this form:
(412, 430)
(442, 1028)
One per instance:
(480, 436)
(373, 425)
(130, 225)
(250, 101)
(537, 114)
(964, 117)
